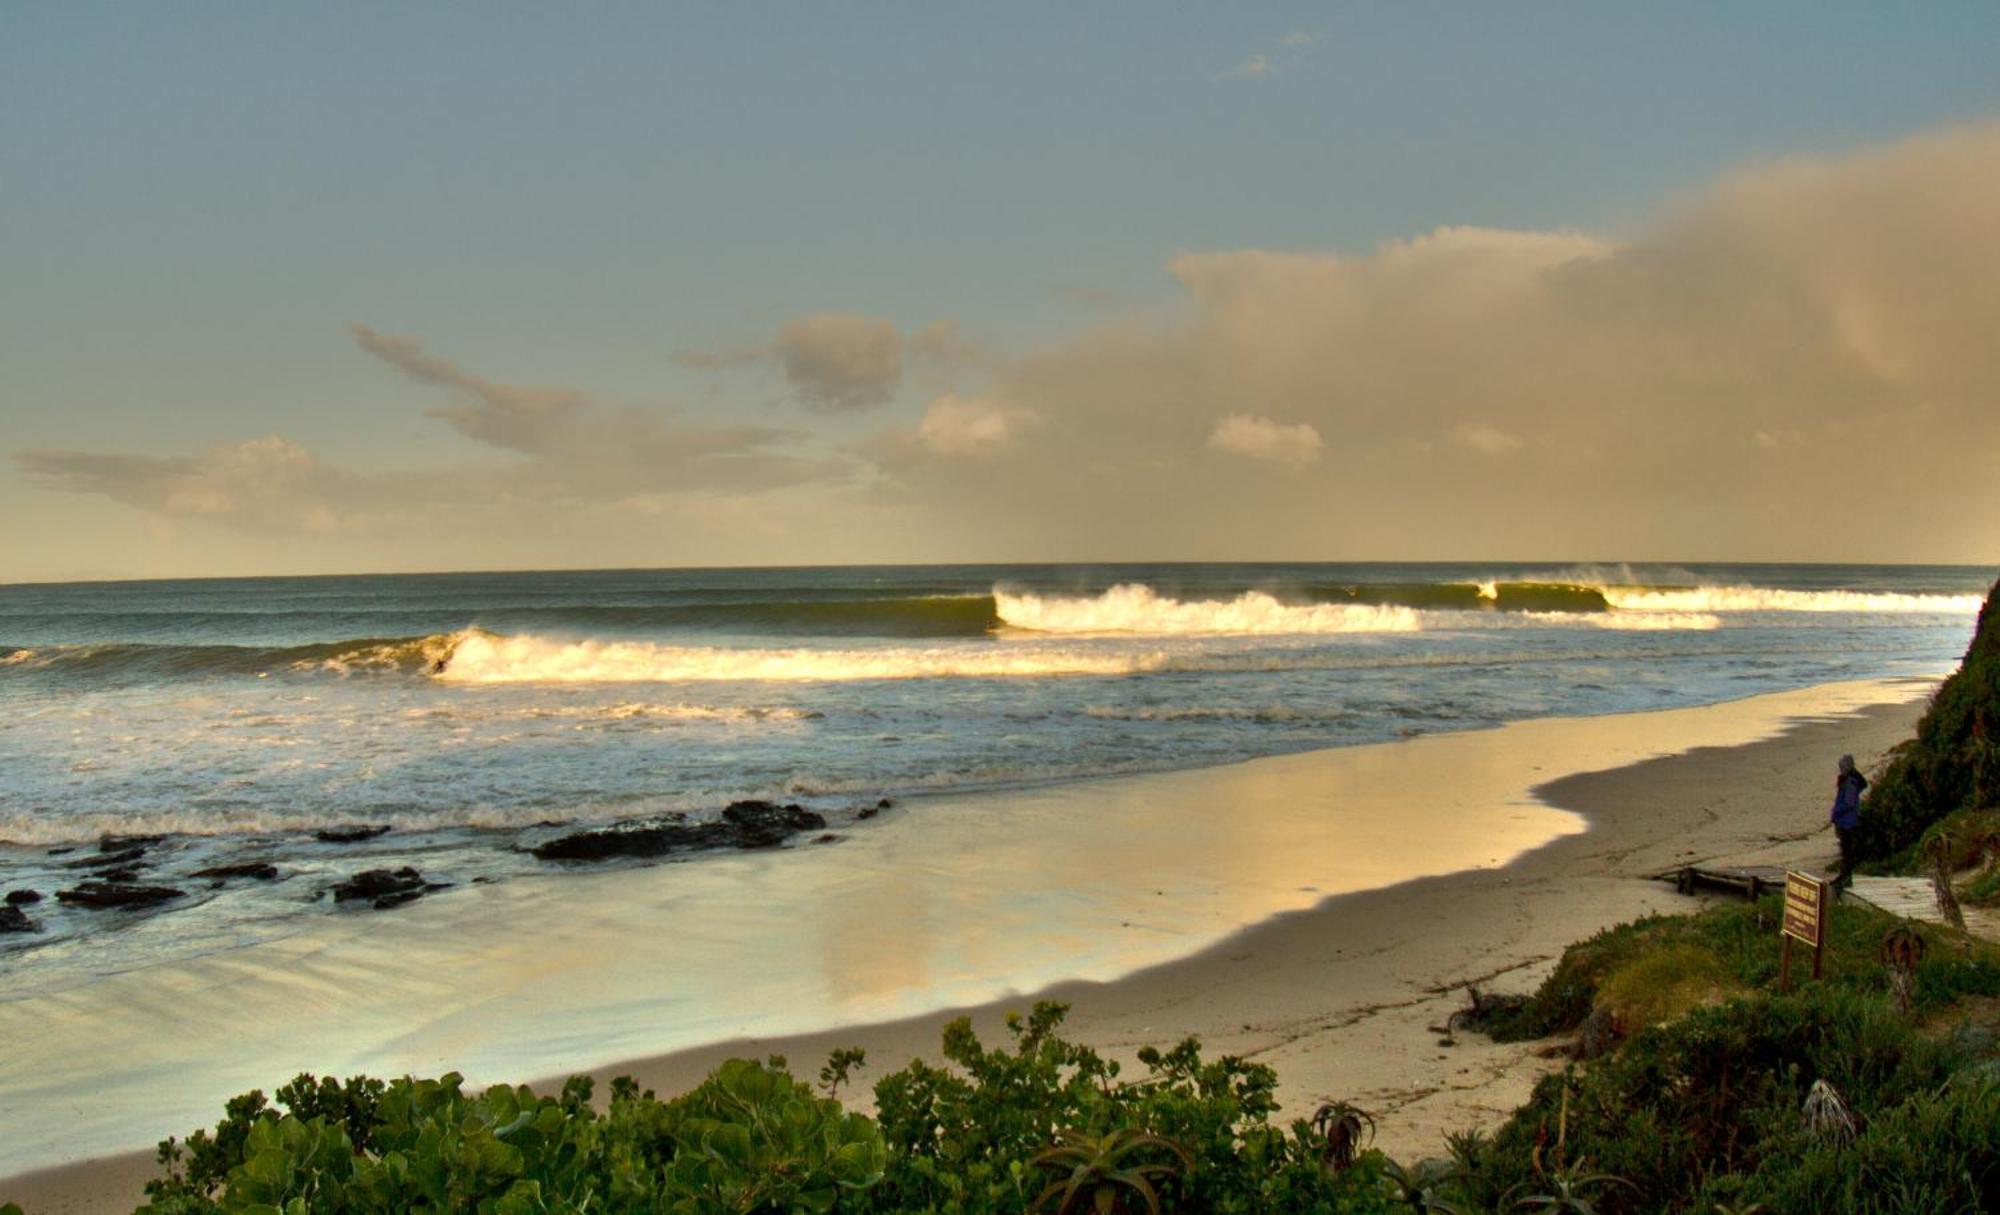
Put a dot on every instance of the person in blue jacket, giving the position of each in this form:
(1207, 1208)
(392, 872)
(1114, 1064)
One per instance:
(1846, 816)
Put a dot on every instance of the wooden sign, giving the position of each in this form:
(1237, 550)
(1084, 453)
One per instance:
(1804, 921)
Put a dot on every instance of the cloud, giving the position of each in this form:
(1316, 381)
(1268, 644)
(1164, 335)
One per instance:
(1489, 439)
(1289, 51)
(574, 452)
(268, 484)
(841, 361)
(955, 426)
(1259, 438)
(1593, 394)
(1794, 362)
(1256, 67)
(505, 415)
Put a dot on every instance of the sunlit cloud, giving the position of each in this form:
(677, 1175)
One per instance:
(1259, 438)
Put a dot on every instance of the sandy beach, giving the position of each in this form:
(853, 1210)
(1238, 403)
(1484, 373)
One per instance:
(1321, 925)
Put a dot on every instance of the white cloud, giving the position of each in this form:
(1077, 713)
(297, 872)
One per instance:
(960, 426)
(1256, 67)
(1260, 438)
(1489, 439)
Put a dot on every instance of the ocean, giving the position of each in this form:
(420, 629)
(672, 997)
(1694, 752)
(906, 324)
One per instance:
(476, 715)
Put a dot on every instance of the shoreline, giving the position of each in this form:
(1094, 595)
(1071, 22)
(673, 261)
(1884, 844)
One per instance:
(1337, 992)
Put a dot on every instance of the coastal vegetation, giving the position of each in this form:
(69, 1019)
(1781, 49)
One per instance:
(1951, 768)
(1692, 1084)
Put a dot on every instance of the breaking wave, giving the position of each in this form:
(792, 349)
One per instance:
(1768, 599)
(1133, 608)
(486, 658)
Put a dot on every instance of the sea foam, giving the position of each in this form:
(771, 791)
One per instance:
(1135, 608)
(1770, 599)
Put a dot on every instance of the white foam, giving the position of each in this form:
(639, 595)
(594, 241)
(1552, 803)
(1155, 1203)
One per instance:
(1636, 622)
(485, 658)
(1134, 608)
(1769, 599)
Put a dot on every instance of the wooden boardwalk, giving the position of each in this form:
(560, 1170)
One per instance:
(1913, 899)
(1751, 881)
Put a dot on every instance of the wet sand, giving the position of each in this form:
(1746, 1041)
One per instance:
(1142, 884)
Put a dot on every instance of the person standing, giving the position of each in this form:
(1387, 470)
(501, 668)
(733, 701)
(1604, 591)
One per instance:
(1846, 816)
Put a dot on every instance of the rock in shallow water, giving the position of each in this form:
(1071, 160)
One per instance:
(350, 835)
(13, 919)
(117, 894)
(262, 871)
(121, 843)
(120, 859)
(753, 824)
(385, 888)
(21, 898)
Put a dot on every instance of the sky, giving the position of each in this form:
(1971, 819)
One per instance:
(313, 289)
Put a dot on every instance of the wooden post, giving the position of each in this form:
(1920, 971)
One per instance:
(1785, 962)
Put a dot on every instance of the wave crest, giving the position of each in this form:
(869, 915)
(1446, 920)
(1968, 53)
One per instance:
(1136, 608)
(485, 658)
(1771, 599)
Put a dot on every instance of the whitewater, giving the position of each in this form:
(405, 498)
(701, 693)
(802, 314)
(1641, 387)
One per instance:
(474, 714)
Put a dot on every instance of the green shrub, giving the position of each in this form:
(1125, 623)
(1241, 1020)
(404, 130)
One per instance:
(1715, 1094)
(964, 1138)
(1935, 1152)
(749, 1138)
(1953, 763)
(1735, 946)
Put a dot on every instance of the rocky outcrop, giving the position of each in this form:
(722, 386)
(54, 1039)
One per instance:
(350, 835)
(764, 825)
(385, 888)
(13, 919)
(21, 898)
(100, 894)
(750, 824)
(122, 843)
(122, 858)
(262, 871)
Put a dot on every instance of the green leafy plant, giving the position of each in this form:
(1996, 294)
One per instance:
(1109, 1173)
(1570, 1192)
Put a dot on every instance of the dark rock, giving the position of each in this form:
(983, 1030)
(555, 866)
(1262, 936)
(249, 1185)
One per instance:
(65, 851)
(124, 873)
(652, 838)
(262, 871)
(350, 835)
(765, 825)
(117, 894)
(13, 919)
(872, 811)
(385, 888)
(121, 843)
(828, 838)
(753, 824)
(21, 898)
(109, 860)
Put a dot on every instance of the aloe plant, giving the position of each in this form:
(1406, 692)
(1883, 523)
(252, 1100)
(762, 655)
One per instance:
(1340, 1126)
(1570, 1192)
(1827, 1118)
(1421, 1188)
(1104, 1174)
(1902, 950)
